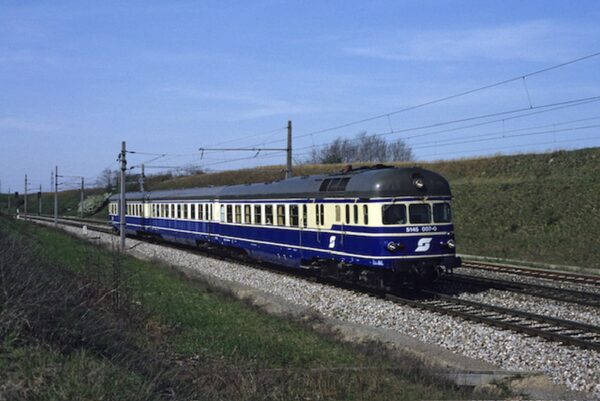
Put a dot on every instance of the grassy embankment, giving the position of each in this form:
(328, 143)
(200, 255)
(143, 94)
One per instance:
(80, 322)
(534, 207)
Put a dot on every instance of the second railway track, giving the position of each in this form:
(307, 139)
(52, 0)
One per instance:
(538, 290)
(567, 332)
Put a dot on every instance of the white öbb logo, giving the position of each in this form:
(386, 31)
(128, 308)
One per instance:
(423, 244)
(332, 241)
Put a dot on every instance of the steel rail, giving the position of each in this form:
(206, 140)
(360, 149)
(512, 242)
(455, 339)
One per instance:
(563, 331)
(538, 273)
(538, 290)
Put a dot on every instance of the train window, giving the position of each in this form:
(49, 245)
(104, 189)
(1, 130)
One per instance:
(317, 218)
(324, 185)
(420, 213)
(304, 215)
(366, 214)
(247, 217)
(294, 215)
(200, 211)
(210, 210)
(184, 212)
(229, 213)
(178, 213)
(269, 214)
(258, 214)
(222, 213)
(355, 214)
(280, 215)
(322, 214)
(193, 211)
(394, 214)
(238, 213)
(337, 213)
(347, 214)
(442, 213)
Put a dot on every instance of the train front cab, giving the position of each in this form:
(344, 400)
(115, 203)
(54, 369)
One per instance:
(421, 234)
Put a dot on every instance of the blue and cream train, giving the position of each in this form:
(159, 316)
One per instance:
(376, 224)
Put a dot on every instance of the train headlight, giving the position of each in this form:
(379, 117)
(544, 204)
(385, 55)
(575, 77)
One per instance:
(418, 182)
(451, 244)
(392, 246)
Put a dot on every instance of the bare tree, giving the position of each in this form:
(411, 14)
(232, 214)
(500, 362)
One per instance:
(362, 148)
(399, 151)
(107, 179)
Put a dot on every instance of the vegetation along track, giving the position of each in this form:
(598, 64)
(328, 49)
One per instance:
(538, 290)
(564, 331)
(537, 273)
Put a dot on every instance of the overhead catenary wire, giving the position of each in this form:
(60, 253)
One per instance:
(550, 107)
(450, 97)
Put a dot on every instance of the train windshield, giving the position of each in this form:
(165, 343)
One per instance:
(420, 213)
(441, 213)
(394, 214)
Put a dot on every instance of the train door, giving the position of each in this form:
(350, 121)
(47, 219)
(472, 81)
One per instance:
(302, 227)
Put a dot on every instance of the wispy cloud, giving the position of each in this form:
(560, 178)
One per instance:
(539, 40)
(243, 105)
(23, 125)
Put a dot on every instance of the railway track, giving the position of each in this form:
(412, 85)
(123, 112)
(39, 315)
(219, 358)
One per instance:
(564, 331)
(74, 222)
(538, 290)
(537, 273)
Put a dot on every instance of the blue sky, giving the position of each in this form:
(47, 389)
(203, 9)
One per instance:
(78, 77)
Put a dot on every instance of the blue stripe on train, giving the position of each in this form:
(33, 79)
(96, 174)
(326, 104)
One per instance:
(288, 246)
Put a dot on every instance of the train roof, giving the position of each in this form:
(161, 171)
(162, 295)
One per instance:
(365, 182)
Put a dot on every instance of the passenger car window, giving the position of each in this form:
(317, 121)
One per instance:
(269, 214)
(229, 213)
(442, 213)
(247, 218)
(294, 215)
(366, 214)
(420, 213)
(280, 215)
(258, 214)
(394, 214)
(238, 214)
(304, 215)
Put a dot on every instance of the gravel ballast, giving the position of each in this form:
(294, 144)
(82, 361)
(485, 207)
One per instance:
(577, 369)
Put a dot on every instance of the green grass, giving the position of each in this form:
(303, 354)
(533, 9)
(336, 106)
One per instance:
(210, 331)
(38, 372)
